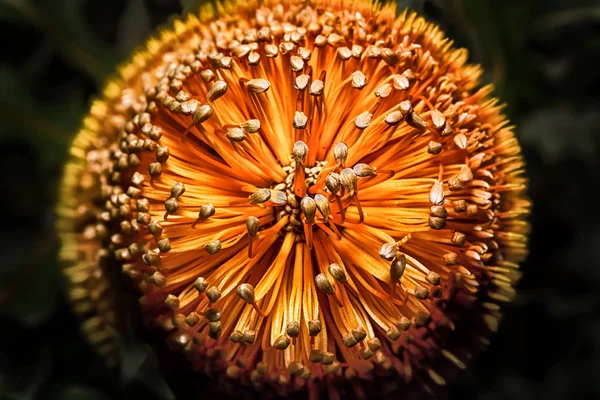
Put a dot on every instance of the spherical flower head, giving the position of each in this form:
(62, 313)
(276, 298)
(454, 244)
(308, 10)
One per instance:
(304, 193)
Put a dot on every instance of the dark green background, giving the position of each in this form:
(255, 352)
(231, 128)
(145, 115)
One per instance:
(543, 56)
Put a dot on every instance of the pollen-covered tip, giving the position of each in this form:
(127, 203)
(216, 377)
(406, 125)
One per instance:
(363, 120)
(343, 53)
(316, 87)
(363, 170)
(405, 107)
(143, 218)
(458, 238)
(393, 333)
(278, 197)
(158, 279)
(436, 195)
(296, 368)
(213, 314)
(155, 228)
(433, 278)
(338, 273)
(438, 120)
(249, 336)
(207, 75)
(200, 284)
(236, 135)
(413, 119)
(259, 85)
(465, 175)
(340, 152)
(314, 327)
(300, 120)
(214, 329)
(171, 205)
(282, 342)
(404, 324)
(315, 356)
(303, 52)
(250, 126)
(133, 192)
(213, 247)
(450, 259)
(421, 293)
(322, 205)
(155, 133)
(164, 245)
(397, 268)
(260, 196)
(328, 358)
(332, 182)
(292, 329)
(309, 208)
(236, 336)
(162, 154)
(437, 222)
(374, 344)
(301, 82)
(394, 118)
(213, 294)
(218, 89)
(299, 152)
(177, 189)
(349, 180)
(454, 183)
(323, 284)
(388, 251)
(359, 80)
(359, 333)
(434, 147)
(172, 302)
(400, 82)
(206, 211)
(461, 141)
(389, 56)
(383, 91)
(137, 179)
(285, 47)
(472, 210)
(349, 340)
(296, 63)
(245, 291)
(252, 225)
(438, 211)
(202, 114)
(154, 169)
(459, 206)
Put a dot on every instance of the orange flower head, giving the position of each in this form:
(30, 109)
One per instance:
(303, 193)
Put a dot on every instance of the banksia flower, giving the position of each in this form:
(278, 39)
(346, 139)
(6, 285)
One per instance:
(306, 194)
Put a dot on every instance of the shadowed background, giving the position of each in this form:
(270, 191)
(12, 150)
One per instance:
(543, 57)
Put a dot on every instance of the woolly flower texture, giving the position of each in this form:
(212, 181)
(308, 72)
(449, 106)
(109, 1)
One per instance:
(303, 193)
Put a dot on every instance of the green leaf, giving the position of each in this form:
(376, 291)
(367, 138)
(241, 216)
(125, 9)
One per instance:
(48, 126)
(64, 25)
(572, 16)
(140, 367)
(79, 392)
(134, 27)
(559, 132)
(33, 293)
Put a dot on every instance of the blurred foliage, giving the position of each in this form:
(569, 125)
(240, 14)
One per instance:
(542, 55)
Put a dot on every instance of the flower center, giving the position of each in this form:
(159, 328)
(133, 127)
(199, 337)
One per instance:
(314, 193)
(292, 208)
